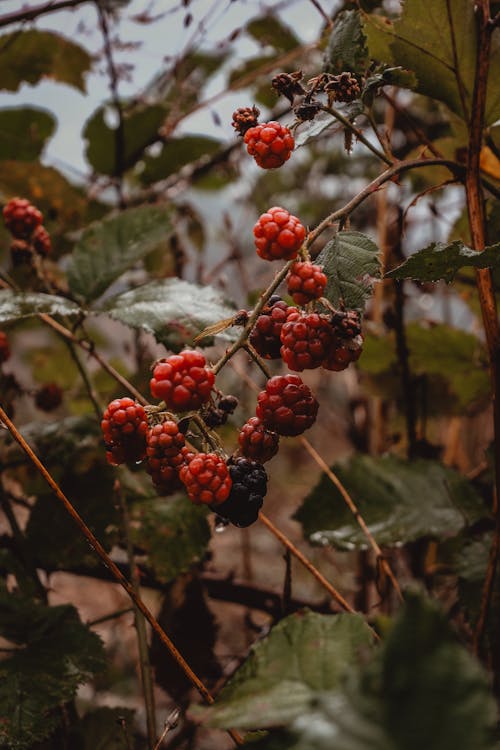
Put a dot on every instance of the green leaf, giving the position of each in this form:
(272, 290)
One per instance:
(57, 654)
(269, 31)
(423, 690)
(176, 153)
(174, 311)
(351, 262)
(24, 131)
(173, 532)
(442, 261)
(17, 305)
(303, 656)
(434, 39)
(140, 129)
(108, 248)
(29, 56)
(346, 50)
(400, 501)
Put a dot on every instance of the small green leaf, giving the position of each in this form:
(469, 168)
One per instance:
(303, 656)
(108, 248)
(57, 654)
(140, 129)
(173, 532)
(442, 261)
(269, 31)
(24, 131)
(18, 305)
(400, 501)
(174, 311)
(29, 56)
(347, 49)
(176, 153)
(351, 262)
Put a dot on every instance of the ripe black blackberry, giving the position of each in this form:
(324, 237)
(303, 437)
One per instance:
(249, 487)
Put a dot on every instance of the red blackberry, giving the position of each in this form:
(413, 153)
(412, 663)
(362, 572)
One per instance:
(346, 324)
(287, 406)
(305, 282)
(41, 241)
(270, 144)
(4, 347)
(124, 426)
(257, 442)
(265, 336)
(49, 397)
(182, 381)
(166, 453)
(206, 478)
(21, 218)
(343, 353)
(278, 234)
(306, 341)
(249, 487)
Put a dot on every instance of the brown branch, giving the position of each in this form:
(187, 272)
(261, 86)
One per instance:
(112, 567)
(29, 14)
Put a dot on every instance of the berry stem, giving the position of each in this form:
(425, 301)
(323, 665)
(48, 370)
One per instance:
(359, 135)
(257, 359)
(112, 567)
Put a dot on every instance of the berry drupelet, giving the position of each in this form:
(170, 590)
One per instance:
(306, 341)
(257, 442)
(124, 426)
(305, 282)
(265, 336)
(287, 405)
(21, 217)
(206, 478)
(183, 381)
(166, 454)
(278, 234)
(270, 144)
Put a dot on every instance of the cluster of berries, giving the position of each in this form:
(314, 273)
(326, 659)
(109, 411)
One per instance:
(24, 222)
(233, 488)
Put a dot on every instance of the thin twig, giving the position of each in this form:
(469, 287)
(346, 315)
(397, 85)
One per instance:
(117, 574)
(359, 135)
(29, 14)
(86, 379)
(112, 615)
(170, 723)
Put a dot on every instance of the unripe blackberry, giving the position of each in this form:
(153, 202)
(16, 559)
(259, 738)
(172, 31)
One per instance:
(306, 341)
(124, 426)
(343, 353)
(346, 324)
(41, 241)
(21, 218)
(166, 454)
(228, 404)
(49, 397)
(206, 478)
(257, 442)
(265, 336)
(4, 347)
(270, 144)
(278, 234)
(249, 487)
(287, 406)
(183, 381)
(305, 282)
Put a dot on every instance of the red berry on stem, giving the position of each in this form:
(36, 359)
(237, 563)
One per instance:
(343, 353)
(287, 405)
(124, 426)
(270, 144)
(257, 442)
(21, 218)
(166, 454)
(41, 241)
(48, 397)
(278, 234)
(4, 347)
(306, 341)
(265, 336)
(206, 478)
(305, 282)
(183, 381)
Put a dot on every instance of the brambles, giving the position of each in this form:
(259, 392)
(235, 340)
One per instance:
(265, 336)
(305, 282)
(257, 442)
(4, 347)
(124, 426)
(270, 144)
(48, 397)
(287, 405)
(248, 489)
(183, 381)
(21, 217)
(306, 341)
(206, 478)
(278, 234)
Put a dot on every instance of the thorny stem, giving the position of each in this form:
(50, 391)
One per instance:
(140, 623)
(359, 135)
(112, 567)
